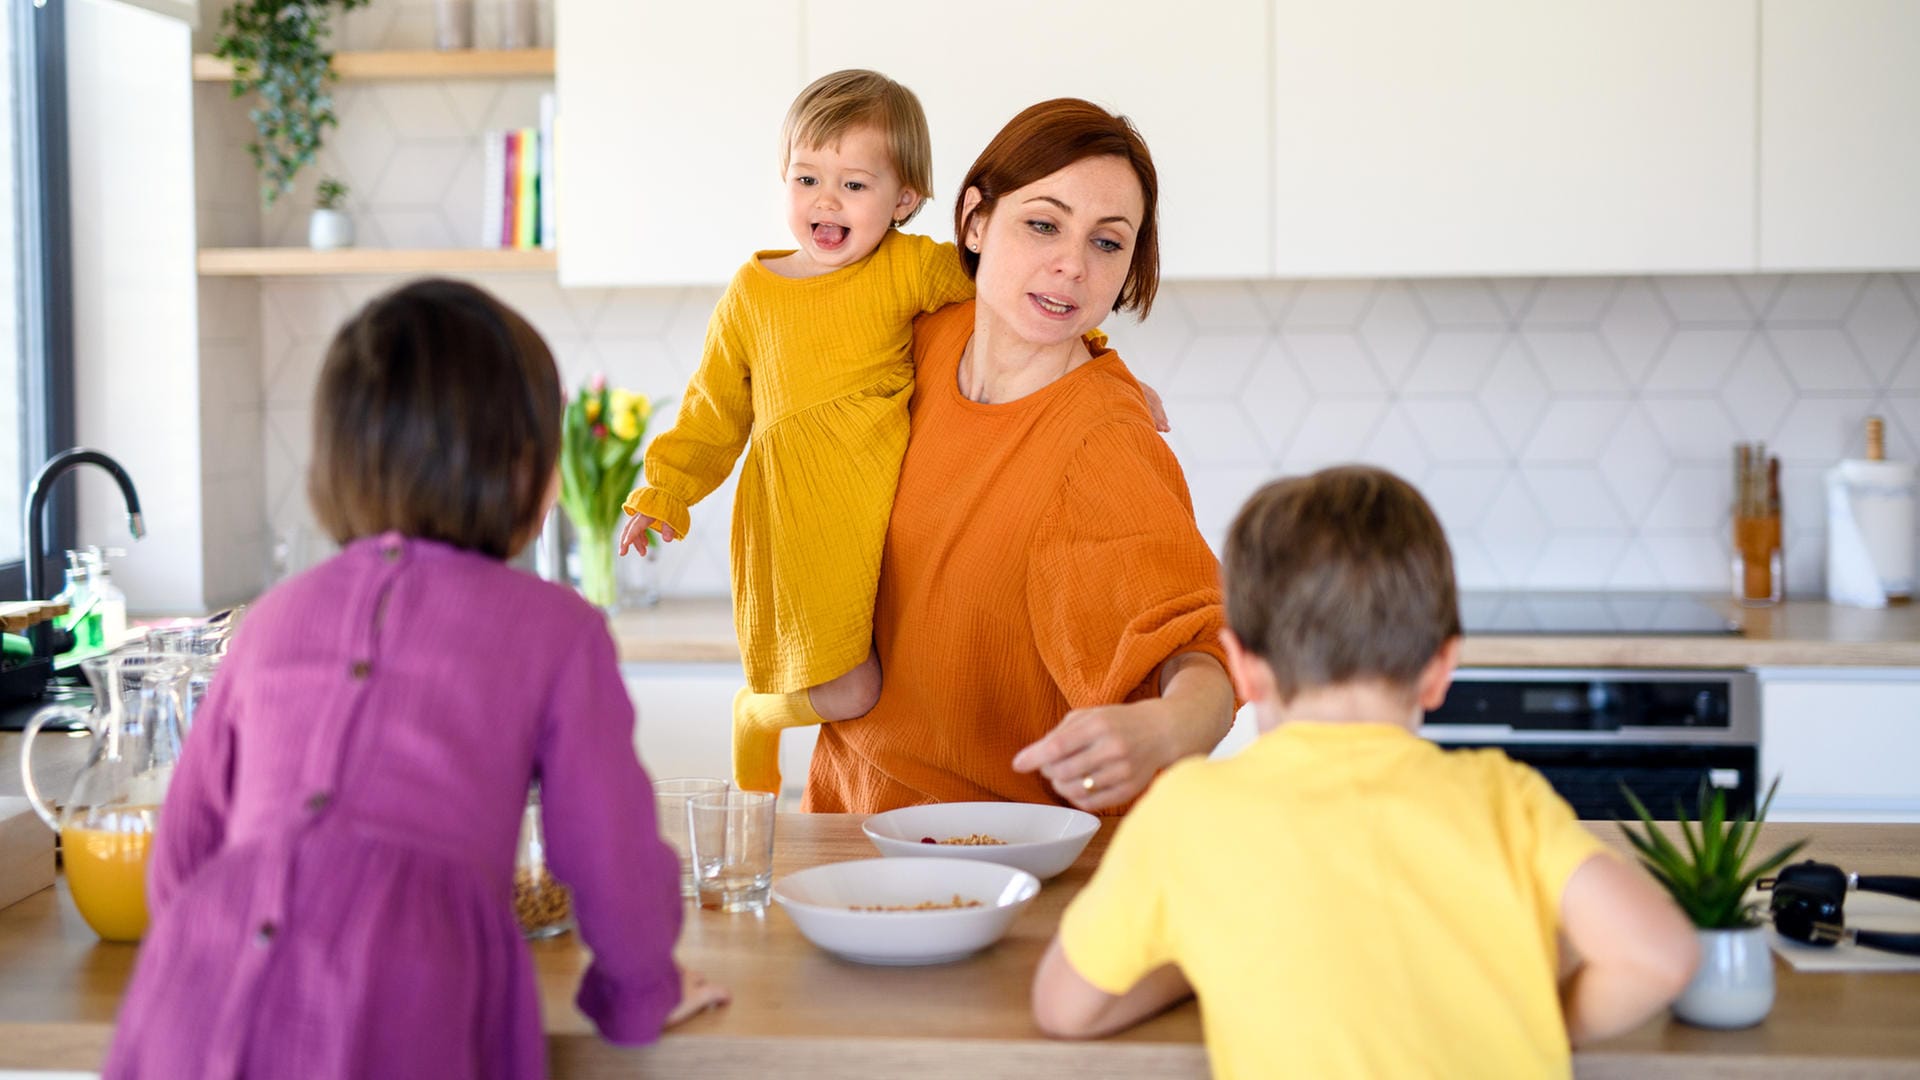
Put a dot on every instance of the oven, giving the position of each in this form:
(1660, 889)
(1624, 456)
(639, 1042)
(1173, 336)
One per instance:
(1661, 733)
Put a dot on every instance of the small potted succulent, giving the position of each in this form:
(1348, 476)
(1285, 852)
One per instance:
(330, 227)
(1711, 878)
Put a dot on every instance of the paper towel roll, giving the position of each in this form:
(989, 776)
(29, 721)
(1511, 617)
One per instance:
(1870, 532)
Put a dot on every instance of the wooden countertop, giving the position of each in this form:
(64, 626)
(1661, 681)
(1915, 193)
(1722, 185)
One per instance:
(1799, 633)
(801, 1012)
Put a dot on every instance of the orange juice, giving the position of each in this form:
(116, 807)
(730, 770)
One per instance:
(107, 871)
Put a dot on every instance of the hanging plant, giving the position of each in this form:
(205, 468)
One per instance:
(279, 52)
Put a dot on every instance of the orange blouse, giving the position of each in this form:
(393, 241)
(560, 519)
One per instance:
(1042, 557)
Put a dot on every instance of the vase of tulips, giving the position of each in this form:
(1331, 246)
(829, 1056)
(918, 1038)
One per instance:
(599, 461)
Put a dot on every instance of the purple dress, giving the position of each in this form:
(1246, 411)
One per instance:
(332, 877)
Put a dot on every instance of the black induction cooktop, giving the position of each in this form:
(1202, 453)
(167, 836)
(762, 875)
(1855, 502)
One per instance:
(1570, 614)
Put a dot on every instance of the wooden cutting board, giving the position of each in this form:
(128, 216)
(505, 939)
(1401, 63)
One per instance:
(26, 852)
(17, 615)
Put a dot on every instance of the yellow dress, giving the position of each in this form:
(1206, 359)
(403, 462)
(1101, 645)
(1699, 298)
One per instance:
(812, 377)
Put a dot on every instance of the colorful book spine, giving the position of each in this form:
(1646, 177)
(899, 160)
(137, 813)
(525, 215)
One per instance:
(526, 209)
(510, 191)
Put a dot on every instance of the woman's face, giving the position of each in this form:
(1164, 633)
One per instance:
(1055, 253)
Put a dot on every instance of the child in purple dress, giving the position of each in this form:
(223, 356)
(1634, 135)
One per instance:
(331, 883)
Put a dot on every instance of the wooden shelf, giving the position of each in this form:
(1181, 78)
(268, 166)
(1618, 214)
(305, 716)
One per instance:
(414, 64)
(305, 262)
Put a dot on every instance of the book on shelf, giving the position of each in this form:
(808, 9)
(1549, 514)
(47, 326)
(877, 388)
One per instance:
(516, 207)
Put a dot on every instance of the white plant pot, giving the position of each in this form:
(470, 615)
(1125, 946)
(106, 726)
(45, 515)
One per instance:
(329, 229)
(1734, 986)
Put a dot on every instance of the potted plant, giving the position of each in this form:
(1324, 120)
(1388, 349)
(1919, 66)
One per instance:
(599, 461)
(330, 227)
(1710, 879)
(279, 52)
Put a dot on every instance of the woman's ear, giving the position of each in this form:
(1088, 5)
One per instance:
(976, 221)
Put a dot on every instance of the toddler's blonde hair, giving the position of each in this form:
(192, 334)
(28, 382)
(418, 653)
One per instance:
(834, 104)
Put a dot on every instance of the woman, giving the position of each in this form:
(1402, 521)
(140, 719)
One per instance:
(1048, 614)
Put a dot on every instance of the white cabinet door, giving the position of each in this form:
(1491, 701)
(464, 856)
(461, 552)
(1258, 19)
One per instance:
(1846, 746)
(1195, 86)
(1511, 136)
(1839, 149)
(667, 140)
(685, 724)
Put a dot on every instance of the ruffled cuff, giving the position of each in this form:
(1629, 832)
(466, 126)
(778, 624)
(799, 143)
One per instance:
(628, 1015)
(668, 509)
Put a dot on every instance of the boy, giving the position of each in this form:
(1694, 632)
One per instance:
(1345, 898)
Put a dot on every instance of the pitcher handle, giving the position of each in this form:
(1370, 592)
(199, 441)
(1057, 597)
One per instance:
(41, 719)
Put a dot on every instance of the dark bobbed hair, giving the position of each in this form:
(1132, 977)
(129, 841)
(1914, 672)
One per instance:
(1041, 141)
(438, 417)
(1341, 576)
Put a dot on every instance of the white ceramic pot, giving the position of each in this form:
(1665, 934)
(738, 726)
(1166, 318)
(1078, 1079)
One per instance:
(1734, 986)
(329, 229)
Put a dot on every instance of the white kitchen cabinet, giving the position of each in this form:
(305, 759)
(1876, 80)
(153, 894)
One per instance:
(1839, 151)
(1512, 136)
(666, 143)
(1844, 743)
(1195, 85)
(685, 723)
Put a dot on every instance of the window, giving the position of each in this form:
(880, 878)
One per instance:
(35, 320)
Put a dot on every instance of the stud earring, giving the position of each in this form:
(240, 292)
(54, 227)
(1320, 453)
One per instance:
(974, 246)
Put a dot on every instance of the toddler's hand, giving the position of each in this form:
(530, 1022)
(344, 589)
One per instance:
(697, 995)
(635, 534)
(1158, 408)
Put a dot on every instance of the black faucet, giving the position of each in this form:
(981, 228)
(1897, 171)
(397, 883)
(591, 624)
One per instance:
(47, 640)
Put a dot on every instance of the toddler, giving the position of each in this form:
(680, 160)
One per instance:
(332, 877)
(1344, 897)
(809, 353)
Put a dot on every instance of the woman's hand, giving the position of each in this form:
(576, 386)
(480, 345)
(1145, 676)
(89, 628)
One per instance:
(635, 534)
(697, 995)
(1120, 748)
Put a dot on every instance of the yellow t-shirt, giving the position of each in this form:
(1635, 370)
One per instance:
(1347, 901)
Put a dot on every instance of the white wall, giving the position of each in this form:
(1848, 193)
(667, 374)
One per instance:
(130, 130)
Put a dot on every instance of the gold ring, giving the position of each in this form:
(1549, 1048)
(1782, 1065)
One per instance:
(1087, 784)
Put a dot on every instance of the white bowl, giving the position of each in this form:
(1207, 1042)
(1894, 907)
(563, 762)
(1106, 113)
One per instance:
(821, 901)
(1042, 840)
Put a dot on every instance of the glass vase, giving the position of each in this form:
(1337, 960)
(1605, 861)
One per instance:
(594, 549)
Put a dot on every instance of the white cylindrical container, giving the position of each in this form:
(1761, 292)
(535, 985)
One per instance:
(1733, 987)
(329, 229)
(1870, 532)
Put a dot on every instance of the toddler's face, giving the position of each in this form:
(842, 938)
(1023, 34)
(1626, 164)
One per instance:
(841, 199)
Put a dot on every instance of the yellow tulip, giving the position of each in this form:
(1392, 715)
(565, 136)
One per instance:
(593, 408)
(619, 401)
(624, 426)
(643, 407)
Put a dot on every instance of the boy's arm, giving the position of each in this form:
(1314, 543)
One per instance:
(1067, 1006)
(687, 461)
(1637, 950)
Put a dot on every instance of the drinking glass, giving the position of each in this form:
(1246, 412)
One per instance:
(731, 833)
(670, 807)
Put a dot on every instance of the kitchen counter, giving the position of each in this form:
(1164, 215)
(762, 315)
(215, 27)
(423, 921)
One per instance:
(1799, 633)
(800, 1012)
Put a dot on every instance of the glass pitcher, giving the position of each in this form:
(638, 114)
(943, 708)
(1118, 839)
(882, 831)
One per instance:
(106, 824)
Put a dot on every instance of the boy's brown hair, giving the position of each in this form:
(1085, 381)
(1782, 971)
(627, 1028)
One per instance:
(834, 104)
(1046, 138)
(1341, 576)
(438, 416)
